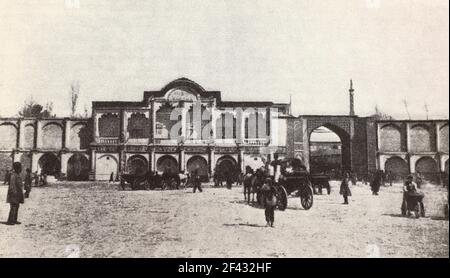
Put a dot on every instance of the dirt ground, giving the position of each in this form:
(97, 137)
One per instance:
(98, 220)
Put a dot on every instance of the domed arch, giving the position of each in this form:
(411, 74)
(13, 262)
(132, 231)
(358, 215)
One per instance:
(198, 163)
(106, 165)
(78, 168)
(167, 163)
(137, 165)
(396, 167)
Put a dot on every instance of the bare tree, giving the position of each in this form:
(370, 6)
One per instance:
(74, 93)
(405, 103)
(426, 109)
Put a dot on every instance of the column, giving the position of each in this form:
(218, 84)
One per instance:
(411, 163)
(240, 126)
(408, 141)
(241, 160)
(378, 137)
(183, 120)
(93, 161)
(182, 160)
(212, 154)
(21, 134)
(66, 143)
(438, 139)
(34, 162)
(305, 144)
(213, 122)
(153, 123)
(38, 134)
(152, 160)
(95, 117)
(64, 158)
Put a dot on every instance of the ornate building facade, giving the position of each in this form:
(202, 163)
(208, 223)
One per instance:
(183, 127)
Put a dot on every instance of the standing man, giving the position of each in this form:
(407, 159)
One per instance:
(36, 179)
(15, 194)
(345, 188)
(196, 181)
(375, 184)
(28, 181)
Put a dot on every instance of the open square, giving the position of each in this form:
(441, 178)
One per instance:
(97, 220)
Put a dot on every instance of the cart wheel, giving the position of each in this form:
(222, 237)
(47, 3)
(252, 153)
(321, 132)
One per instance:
(282, 198)
(422, 210)
(306, 197)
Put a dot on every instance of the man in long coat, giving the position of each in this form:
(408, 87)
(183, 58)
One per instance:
(15, 195)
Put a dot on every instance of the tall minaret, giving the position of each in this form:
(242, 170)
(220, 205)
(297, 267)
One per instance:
(352, 105)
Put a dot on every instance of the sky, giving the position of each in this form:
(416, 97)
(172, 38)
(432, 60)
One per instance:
(249, 50)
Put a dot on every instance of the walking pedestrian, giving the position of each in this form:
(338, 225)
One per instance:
(15, 195)
(196, 181)
(345, 188)
(375, 184)
(28, 182)
(270, 202)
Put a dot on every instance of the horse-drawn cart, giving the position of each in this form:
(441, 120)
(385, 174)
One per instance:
(295, 182)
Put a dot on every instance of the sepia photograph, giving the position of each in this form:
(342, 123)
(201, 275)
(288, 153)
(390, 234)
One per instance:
(224, 129)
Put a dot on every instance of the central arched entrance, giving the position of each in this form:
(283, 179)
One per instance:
(50, 164)
(78, 168)
(227, 165)
(200, 164)
(137, 165)
(329, 151)
(168, 164)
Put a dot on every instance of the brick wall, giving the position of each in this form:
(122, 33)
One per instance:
(421, 139)
(8, 137)
(52, 136)
(390, 138)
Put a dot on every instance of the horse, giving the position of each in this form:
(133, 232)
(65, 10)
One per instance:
(253, 181)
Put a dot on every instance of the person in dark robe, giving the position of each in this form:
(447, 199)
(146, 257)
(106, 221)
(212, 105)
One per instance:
(36, 179)
(270, 202)
(196, 181)
(228, 179)
(375, 184)
(15, 195)
(111, 177)
(28, 182)
(345, 188)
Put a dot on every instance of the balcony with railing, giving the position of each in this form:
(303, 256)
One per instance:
(256, 141)
(108, 140)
